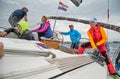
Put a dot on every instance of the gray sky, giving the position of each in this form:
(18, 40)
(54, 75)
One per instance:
(87, 10)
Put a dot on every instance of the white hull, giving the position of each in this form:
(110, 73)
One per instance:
(30, 65)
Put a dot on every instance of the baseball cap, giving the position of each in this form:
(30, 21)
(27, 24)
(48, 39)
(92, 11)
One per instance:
(93, 20)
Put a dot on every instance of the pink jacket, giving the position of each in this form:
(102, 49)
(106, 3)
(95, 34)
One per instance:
(37, 29)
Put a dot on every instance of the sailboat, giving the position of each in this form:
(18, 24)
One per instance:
(38, 60)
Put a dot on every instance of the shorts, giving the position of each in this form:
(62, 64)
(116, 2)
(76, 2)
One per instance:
(75, 45)
(13, 20)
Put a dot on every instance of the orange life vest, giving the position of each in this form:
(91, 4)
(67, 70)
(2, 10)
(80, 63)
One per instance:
(96, 34)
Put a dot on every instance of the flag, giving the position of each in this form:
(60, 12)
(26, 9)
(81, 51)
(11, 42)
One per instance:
(62, 6)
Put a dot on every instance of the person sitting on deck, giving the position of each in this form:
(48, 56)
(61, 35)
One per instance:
(44, 29)
(22, 31)
(1, 50)
(75, 37)
(98, 38)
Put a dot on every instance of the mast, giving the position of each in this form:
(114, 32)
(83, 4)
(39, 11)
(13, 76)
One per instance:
(55, 18)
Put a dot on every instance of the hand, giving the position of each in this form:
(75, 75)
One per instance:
(3, 34)
(95, 52)
(78, 38)
(32, 30)
(25, 18)
(60, 32)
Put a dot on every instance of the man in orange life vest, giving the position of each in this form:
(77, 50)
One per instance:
(98, 38)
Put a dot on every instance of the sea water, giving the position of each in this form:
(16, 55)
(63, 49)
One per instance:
(114, 49)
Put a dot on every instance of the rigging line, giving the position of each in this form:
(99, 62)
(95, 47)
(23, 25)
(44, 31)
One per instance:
(56, 16)
(3, 27)
(108, 14)
(36, 24)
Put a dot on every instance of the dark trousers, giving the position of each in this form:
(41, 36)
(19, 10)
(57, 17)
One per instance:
(40, 35)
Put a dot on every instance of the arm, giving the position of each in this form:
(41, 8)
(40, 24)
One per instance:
(91, 41)
(25, 18)
(37, 28)
(45, 27)
(65, 33)
(104, 37)
(9, 30)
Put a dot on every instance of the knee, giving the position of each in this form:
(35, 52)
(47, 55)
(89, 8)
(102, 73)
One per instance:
(82, 48)
(85, 45)
(106, 57)
(104, 53)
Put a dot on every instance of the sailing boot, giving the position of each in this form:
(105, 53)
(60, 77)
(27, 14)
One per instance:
(116, 76)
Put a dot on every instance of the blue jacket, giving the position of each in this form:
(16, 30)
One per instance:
(75, 36)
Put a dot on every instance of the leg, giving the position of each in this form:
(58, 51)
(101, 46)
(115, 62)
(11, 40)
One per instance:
(83, 47)
(72, 51)
(103, 51)
(1, 50)
(72, 48)
(13, 20)
(10, 21)
(40, 35)
(77, 45)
